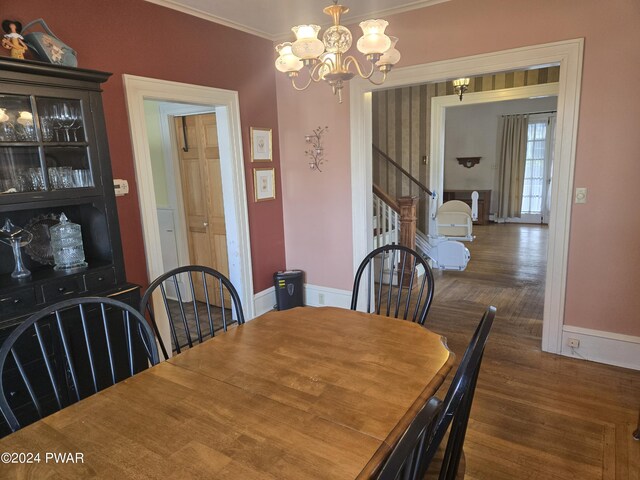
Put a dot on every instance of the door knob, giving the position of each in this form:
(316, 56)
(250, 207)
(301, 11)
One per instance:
(205, 224)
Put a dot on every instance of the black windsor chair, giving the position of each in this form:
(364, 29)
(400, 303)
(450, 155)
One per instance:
(399, 283)
(413, 456)
(69, 351)
(212, 303)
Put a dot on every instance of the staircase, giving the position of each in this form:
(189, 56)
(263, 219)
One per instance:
(386, 226)
(386, 222)
(387, 211)
(396, 221)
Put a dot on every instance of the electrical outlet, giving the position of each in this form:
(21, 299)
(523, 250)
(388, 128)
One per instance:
(321, 299)
(573, 342)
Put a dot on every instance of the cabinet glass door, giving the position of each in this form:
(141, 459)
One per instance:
(67, 167)
(43, 148)
(16, 119)
(20, 170)
(61, 120)
(65, 147)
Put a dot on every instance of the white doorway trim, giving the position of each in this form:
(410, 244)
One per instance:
(569, 55)
(227, 108)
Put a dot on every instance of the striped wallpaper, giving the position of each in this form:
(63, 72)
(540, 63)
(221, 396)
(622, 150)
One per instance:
(401, 125)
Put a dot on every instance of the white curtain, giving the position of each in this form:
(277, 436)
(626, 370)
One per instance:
(513, 156)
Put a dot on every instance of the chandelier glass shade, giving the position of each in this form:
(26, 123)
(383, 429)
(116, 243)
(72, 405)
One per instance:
(326, 59)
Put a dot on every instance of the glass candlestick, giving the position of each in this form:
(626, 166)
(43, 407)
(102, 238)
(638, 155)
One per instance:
(20, 271)
(16, 237)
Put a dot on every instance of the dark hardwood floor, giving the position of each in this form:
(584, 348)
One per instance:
(535, 415)
(181, 332)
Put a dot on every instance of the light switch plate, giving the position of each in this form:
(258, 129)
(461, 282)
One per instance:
(581, 195)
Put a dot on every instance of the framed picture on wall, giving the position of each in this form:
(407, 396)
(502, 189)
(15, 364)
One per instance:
(261, 144)
(264, 184)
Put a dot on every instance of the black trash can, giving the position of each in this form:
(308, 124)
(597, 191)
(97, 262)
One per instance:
(288, 286)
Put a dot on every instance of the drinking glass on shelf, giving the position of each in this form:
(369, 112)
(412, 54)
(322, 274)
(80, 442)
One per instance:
(55, 121)
(7, 131)
(25, 130)
(25, 133)
(82, 177)
(77, 178)
(75, 129)
(46, 126)
(37, 179)
(54, 178)
(87, 181)
(66, 118)
(21, 181)
(66, 177)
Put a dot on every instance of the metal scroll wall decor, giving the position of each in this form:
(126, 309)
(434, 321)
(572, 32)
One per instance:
(315, 152)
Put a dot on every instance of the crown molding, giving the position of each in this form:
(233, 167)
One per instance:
(283, 36)
(348, 19)
(196, 12)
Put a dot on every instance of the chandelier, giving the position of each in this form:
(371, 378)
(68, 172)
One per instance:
(460, 86)
(325, 59)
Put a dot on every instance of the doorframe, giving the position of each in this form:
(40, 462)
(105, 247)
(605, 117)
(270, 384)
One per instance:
(168, 111)
(225, 102)
(569, 55)
(438, 116)
(439, 106)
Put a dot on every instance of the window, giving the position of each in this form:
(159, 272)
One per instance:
(534, 171)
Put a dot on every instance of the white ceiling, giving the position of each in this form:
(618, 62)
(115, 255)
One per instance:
(273, 19)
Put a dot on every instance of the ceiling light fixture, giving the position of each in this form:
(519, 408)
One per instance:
(325, 59)
(460, 85)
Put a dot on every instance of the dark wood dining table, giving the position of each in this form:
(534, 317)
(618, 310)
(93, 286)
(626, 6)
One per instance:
(302, 393)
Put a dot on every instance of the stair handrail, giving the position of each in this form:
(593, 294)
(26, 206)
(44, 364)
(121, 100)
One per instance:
(420, 185)
(377, 190)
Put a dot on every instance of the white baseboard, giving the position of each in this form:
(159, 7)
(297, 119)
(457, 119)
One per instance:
(317, 296)
(264, 301)
(603, 347)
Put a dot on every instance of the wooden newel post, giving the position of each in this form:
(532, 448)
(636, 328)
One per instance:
(408, 207)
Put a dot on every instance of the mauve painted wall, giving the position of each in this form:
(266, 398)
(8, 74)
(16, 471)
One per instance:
(604, 250)
(140, 38)
(317, 205)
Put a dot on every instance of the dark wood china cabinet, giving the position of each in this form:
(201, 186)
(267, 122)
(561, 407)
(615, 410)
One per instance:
(54, 159)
